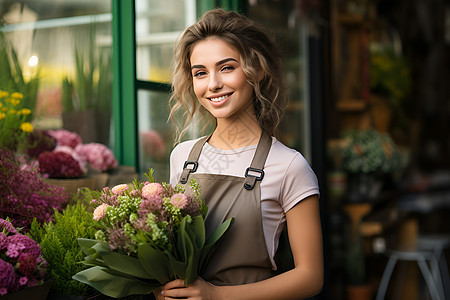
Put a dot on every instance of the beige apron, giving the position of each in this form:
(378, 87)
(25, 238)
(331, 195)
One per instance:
(242, 256)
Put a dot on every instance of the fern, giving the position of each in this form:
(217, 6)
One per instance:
(58, 240)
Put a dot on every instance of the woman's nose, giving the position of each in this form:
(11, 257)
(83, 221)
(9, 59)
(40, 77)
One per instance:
(215, 82)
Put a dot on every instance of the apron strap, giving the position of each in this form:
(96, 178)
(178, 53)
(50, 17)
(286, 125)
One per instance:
(190, 166)
(257, 165)
(258, 162)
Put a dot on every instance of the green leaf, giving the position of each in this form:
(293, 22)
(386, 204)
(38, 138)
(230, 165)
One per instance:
(212, 240)
(113, 285)
(178, 267)
(126, 264)
(155, 262)
(188, 251)
(196, 231)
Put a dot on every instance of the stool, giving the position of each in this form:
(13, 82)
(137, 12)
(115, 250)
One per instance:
(422, 258)
(437, 244)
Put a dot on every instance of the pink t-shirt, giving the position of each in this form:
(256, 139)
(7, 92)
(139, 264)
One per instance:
(288, 179)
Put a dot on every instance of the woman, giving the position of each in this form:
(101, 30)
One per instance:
(227, 68)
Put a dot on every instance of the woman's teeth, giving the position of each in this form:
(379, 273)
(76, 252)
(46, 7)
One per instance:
(218, 98)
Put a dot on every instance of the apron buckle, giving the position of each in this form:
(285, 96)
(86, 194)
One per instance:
(251, 179)
(187, 171)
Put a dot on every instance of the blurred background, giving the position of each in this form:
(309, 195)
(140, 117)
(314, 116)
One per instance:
(369, 107)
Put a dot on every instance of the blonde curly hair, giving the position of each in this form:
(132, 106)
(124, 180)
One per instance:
(261, 62)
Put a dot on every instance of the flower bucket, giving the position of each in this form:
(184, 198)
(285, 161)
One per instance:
(38, 292)
(72, 185)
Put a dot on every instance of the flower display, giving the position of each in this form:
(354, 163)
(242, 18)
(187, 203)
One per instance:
(150, 233)
(62, 162)
(98, 156)
(370, 151)
(21, 261)
(23, 194)
(14, 121)
(66, 137)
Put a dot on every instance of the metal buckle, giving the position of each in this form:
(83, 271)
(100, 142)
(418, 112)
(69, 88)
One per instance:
(194, 168)
(261, 172)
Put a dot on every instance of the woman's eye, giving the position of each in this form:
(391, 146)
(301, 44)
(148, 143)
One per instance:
(227, 68)
(199, 73)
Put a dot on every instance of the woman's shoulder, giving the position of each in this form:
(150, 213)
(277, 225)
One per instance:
(185, 145)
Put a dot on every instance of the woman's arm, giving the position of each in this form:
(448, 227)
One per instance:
(305, 280)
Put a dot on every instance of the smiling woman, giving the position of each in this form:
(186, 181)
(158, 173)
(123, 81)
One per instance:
(228, 69)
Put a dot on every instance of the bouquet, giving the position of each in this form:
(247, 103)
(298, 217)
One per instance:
(21, 261)
(150, 233)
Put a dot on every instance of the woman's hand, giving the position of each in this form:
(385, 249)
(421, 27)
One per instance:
(198, 290)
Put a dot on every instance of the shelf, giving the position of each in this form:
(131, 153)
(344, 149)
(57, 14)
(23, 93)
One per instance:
(356, 105)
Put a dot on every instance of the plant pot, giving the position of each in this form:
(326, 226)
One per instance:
(359, 292)
(72, 185)
(83, 123)
(38, 292)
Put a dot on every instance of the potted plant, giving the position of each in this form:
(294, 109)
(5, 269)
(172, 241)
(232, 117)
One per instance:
(58, 240)
(368, 158)
(390, 84)
(87, 99)
(23, 268)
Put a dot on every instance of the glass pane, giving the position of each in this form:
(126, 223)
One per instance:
(155, 133)
(284, 19)
(158, 24)
(48, 36)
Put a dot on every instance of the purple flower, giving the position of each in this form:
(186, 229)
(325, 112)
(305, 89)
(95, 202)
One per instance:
(7, 276)
(8, 226)
(23, 280)
(14, 249)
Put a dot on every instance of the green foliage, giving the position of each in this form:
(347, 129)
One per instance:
(390, 75)
(58, 240)
(92, 84)
(12, 78)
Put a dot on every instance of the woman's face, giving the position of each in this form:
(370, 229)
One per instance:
(219, 82)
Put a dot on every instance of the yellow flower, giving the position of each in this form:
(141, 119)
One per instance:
(3, 94)
(17, 95)
(26, 127)
(2, 115)
(12, 111)
(4, 109)
(24, 111)
(15, 101)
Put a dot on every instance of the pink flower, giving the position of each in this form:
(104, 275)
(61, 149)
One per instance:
(98, 156)
(23, 280)
(8, 226)
(150, 205)
(3, 291)
(14, 249)
(152, 189)
(120, 189)
(179, 200)
(100, 212)
(65, 137)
